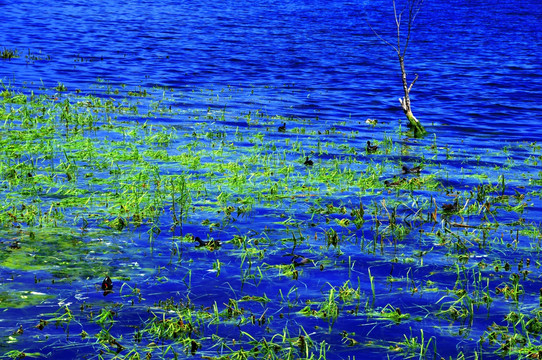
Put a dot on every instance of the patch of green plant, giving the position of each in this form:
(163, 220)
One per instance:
(9, 54)
(389, 312)
(22, 299)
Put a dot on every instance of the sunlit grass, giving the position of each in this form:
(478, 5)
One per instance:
(344, 240)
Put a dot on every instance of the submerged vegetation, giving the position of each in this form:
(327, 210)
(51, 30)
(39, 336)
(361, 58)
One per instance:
(219, 239)
(8, 54)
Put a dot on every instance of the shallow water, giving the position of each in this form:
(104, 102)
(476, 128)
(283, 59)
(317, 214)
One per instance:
(318, 66)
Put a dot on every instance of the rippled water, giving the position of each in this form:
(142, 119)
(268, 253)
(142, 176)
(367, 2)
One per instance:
(479, 66)
(479, 86)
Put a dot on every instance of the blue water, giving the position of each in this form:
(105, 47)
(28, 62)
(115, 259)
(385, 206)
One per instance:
(479, 85)
(478, 62)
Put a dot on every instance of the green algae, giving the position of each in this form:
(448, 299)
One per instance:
(65, 255)
(22, 299)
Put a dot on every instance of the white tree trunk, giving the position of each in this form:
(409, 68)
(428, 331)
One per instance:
(415, 124)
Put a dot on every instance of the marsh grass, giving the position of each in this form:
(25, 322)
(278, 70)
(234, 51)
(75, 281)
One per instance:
(8, 54)
(90, 187)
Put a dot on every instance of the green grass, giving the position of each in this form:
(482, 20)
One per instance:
(8, 54)
(118, 186)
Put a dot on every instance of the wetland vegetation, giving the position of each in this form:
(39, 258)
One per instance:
(222, 241)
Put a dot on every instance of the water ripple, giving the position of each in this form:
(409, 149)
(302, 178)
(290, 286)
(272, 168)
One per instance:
(478, 66)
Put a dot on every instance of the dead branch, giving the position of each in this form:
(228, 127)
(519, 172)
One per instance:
(412, 83)
(381, 38)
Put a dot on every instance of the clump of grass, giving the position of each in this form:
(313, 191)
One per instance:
(9, 54)
(61, 87)
(389, 312)
(328, 309)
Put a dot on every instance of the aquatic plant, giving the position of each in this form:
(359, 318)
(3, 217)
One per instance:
(8, 54)
(91, 188)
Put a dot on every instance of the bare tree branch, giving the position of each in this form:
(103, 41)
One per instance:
(398, 25)
(412, 83)
(413, 7)
(381, 38)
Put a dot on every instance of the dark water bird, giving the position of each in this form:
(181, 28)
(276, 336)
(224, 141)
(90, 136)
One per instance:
(414, 170)
(450, 207)
(308, 161)
(282, 128)
(300, 260)
(19, 331)
(212, 244)
(394, 183)
(41, 325)
(107, 284)
(371, 148)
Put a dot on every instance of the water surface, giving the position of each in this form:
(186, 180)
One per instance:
(319, 66)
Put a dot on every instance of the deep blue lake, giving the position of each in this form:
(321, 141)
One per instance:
(316, 64)
(478, 63)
